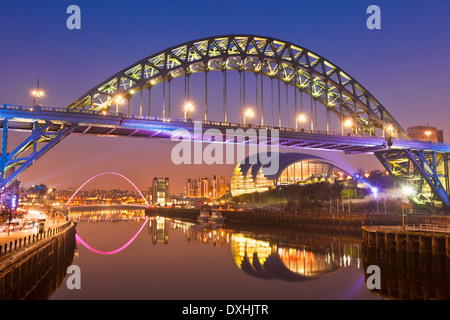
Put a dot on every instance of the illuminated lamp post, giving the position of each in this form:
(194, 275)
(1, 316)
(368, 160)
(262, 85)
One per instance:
(119, 101)
(248, 114)
(375, 195)
(37, 94)
(406, 192)
(187, 110)
(302, 119)
(390, 129)
(348, 123)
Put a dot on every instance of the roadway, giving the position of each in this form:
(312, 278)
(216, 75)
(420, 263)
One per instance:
(23, 118)
(20, 234)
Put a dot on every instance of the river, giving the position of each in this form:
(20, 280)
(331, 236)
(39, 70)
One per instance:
(127, 255)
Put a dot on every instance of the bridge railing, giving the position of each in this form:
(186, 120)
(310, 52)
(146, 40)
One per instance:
(214, 123)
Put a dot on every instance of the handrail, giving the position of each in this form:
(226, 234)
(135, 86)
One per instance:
(228, 124)
(17, 244)
(428, 228)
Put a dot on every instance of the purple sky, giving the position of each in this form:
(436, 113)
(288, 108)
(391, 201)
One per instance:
(404, 65)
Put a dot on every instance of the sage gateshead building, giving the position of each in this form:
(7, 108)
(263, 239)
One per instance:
(293, 169)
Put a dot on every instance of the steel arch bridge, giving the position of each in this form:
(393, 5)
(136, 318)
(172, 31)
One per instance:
(293, 65)
(365, 124)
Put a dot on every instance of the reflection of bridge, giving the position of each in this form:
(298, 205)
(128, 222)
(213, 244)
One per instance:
(107, 206)
(352, 119)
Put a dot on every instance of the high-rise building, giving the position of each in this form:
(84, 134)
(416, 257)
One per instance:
(219, 186)
(205, 187)
(191, 189)
(160, 191)
(188, 188)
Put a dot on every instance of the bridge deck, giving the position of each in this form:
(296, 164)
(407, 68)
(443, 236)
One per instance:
(122, 125)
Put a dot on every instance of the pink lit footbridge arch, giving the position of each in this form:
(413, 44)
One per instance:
(80, 240)
(108, 173)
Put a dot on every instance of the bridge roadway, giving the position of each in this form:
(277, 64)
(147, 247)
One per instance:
(23, 118)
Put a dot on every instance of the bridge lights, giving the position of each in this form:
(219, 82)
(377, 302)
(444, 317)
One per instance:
(119, 101)
(248, 114)
(390, 129)
(302, 119)
(187, 110)
(348, 123)
(37, 94)
(408, 191)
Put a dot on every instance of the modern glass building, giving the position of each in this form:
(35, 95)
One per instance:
(294, 169)
(160, 191)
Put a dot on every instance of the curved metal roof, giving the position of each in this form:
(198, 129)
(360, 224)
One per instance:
(284, 160)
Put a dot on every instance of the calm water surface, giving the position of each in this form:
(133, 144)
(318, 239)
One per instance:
(126, 255)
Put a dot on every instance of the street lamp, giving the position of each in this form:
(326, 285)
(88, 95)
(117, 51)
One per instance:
(375, 195)
(407, 191)
(302, 119)
(119, 101)
(248, 114)
(187, 109)
(428, 133)
(348, 123)
(37, 94)
(390, 129)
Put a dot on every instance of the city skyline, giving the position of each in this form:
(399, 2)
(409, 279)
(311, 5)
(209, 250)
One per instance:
(385, 61)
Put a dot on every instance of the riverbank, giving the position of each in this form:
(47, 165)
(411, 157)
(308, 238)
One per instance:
(289, 219)
(36, 269)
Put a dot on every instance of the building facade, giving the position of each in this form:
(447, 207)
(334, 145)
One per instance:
(160, 191)
(205, 187)
(425, 133)
(294, 169)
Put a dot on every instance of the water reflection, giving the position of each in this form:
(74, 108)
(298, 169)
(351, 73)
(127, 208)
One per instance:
(264, 258)
(188, 260)
(158, 229)
(268, 260)
(261, 256)
(107, 215)
(409, 275)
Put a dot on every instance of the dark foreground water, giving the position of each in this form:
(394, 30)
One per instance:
(126, 255)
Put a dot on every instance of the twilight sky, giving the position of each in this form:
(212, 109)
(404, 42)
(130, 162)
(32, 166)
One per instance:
(404, 65)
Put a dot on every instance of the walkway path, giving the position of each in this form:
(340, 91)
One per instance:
(16, 235)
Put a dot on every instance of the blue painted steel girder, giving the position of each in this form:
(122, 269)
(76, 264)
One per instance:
(53, 124)
(425, 172)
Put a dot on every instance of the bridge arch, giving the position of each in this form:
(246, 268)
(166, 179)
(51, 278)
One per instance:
(296, 66)
(121, 248)
(109, 173)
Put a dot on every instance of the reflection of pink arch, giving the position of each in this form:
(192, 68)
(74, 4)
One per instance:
(113, 251)
(100, 174)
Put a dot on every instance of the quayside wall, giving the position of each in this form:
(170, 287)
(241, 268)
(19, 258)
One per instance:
(35, 271)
